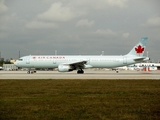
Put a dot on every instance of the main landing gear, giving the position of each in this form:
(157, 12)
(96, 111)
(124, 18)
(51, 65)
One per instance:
(80, 71)
(117, 71)
(28, 72)
(31, 71)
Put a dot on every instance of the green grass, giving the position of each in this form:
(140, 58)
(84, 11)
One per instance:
(80, 99)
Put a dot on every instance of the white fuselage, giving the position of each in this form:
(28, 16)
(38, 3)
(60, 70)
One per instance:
(69, 63)
(51, 61)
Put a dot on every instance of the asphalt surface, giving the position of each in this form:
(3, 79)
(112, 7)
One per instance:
(88, 74)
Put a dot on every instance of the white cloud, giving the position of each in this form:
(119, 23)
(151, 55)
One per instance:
(153, 22)
(126, 35)
(40, 25)
(3, 8)
(57, 12)
(107, 32)
(100, 4)
(85, 23)
(119, 3)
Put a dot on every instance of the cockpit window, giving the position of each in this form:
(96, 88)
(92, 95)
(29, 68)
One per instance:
(20, 59)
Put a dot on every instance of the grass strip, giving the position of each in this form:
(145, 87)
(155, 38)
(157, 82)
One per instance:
(79, 99)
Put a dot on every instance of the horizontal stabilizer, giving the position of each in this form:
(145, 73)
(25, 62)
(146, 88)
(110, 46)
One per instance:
(143, 58)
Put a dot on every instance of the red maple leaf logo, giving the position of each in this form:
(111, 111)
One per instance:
(139, 49)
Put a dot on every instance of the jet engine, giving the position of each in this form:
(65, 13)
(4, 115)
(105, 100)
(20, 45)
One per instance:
(64, 68)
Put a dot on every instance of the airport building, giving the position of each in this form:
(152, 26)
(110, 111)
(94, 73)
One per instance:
(9, 67)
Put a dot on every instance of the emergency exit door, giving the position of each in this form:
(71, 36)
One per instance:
(124, 60)
(28, 60)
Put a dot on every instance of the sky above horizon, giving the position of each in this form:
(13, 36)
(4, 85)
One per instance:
(74, 27)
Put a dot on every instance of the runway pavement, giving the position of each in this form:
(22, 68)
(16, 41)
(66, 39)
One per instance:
(89, 74)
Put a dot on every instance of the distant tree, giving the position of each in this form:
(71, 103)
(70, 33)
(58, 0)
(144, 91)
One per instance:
(1, 62)
(7, 61)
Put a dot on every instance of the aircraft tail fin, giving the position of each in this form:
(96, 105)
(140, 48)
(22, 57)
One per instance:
(138, 50)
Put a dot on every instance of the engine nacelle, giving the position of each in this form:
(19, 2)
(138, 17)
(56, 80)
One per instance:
(64, 68)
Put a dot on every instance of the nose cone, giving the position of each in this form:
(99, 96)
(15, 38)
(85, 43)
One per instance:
(16, 63)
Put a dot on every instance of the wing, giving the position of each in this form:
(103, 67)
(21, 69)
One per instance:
(78, 64)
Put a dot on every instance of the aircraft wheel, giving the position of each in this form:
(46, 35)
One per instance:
(80, 71)
(28, 72)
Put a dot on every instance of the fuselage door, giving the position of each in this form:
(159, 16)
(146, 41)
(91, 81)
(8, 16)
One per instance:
(88, 60)
(124, 60)
(28, 60)
(54, 61)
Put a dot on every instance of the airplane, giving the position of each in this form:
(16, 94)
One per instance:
(143, 66)
(67, 63)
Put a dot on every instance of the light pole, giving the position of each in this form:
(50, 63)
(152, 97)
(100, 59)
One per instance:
(19, 54)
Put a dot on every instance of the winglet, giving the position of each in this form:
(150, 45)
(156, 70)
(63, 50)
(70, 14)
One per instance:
(138, 50)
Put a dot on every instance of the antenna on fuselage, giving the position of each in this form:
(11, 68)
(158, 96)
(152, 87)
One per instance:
(55, 52)
(102, 53)
(19, 54)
